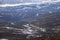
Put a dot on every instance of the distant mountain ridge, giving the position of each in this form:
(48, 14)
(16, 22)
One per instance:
(27, 11)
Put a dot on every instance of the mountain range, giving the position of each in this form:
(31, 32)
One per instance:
(16, 13)
(31, 19)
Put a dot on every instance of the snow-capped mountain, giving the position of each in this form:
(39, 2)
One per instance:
(27, 11)
(15, 12)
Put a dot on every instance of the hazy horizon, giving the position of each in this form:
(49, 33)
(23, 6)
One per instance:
(5, 3)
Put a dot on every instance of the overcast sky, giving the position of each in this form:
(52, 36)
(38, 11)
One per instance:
(19, 1)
